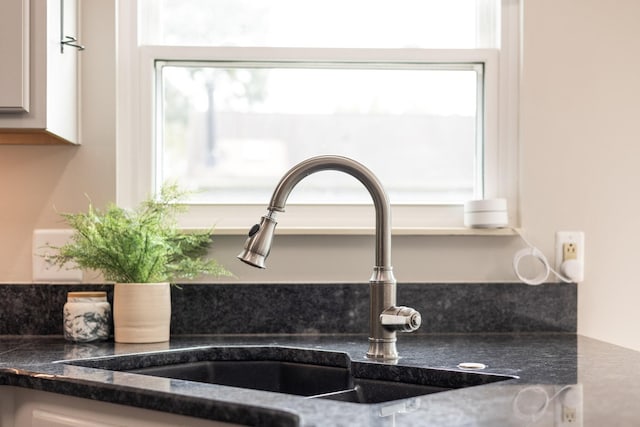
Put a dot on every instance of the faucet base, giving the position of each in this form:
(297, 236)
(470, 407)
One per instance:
(382, 349)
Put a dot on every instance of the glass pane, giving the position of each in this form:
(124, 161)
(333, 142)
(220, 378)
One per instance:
(232, 132)
(434, 24)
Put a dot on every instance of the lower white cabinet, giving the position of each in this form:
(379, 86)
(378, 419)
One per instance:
(21, 407)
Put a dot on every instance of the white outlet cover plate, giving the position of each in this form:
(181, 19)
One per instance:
(43, 271)
(576, 237)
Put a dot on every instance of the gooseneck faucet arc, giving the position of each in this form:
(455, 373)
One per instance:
(385, 318)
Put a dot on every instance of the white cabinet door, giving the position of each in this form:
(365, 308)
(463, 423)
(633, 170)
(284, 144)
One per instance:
(21, 407)
(14, 55)
(53, 79)
(62, 69)
(47, 418)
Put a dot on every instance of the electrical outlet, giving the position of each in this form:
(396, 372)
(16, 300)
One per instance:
(43, 270)
(568, 415)
(570, 247)
(568, 406)
(569, 251)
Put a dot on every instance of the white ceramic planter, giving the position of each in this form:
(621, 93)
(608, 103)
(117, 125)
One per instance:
(141, 312)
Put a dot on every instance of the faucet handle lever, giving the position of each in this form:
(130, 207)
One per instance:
(402, 319)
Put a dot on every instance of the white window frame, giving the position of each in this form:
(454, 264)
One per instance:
(136, 149)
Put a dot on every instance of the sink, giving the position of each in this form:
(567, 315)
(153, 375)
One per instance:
(316, 374)
(302, 379)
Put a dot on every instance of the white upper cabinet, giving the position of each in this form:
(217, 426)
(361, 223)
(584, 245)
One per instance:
(40, 79)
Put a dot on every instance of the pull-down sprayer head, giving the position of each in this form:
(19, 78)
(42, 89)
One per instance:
(258, 244)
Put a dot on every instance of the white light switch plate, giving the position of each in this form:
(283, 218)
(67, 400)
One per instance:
(43, 271)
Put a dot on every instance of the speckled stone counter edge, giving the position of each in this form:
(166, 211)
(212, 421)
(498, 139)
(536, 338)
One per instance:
(331, 308)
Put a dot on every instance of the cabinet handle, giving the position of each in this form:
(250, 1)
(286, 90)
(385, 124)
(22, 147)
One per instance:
(66, 40)
(70, 41)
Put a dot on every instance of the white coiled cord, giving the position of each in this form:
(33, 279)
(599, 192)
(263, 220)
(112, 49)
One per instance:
(531, 403)
(532, 251)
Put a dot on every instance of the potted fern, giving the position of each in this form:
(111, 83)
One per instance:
(142, 251)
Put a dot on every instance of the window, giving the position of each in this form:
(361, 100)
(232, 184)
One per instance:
(232, 93)
(230, 130)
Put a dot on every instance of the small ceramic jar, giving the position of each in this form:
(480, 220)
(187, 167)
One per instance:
(87, 317)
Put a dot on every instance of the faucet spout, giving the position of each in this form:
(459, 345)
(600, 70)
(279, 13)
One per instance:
(385, 317)
(358, 171)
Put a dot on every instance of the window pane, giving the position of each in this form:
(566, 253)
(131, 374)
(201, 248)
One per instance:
(441, 24)
(230, 132)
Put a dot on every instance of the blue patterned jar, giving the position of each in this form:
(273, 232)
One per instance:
(87, 317)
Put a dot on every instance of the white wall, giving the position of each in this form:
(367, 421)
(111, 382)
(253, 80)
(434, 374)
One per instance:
(37, 180)
(579, 144)
(580, 121)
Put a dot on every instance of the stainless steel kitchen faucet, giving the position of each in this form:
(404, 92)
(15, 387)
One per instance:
(385, 318)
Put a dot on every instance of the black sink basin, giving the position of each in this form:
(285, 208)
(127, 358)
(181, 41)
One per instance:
(301, 379)
(302, 372)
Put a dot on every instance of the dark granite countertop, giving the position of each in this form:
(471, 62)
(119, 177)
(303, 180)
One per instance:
(605, 378)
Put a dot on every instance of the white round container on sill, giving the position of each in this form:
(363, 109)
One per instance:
(489, 213)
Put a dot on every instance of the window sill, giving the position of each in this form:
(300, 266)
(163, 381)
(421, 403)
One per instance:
(444, 220)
